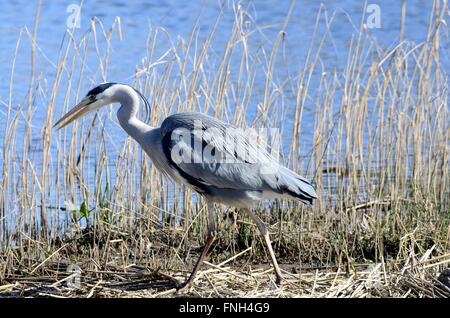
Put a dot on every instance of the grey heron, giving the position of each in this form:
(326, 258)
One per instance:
(241, 182)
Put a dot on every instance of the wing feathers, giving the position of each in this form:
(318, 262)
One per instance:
(209, 153)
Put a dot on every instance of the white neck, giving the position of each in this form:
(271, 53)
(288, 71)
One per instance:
(129, 100)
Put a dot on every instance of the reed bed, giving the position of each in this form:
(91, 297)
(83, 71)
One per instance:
(378, 155)
(222, 280)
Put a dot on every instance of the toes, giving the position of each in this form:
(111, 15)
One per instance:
(278, 280)
(184, 286)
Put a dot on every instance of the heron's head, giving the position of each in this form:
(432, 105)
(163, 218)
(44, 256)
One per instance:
(96, 98)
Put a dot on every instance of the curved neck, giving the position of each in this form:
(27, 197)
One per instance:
(127, 112)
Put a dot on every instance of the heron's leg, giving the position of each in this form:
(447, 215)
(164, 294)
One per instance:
(209, 241)
(265, 234)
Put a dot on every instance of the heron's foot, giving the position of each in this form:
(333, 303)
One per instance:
(184, 286)
(279, 280)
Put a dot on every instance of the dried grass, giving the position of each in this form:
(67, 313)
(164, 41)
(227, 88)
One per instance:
(378, 154)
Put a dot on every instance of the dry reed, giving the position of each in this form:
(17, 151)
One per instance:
(379, 156)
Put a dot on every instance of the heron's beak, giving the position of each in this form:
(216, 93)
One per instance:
(81, 109)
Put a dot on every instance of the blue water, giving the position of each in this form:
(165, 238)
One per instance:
(177, 19)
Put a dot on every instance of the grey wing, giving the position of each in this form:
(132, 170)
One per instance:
(209, 153)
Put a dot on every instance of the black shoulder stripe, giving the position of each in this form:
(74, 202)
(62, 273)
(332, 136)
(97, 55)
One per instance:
(197, 183)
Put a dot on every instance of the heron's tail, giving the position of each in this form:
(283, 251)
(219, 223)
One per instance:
(296, 186)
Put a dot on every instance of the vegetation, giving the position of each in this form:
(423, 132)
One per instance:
(378, 155)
